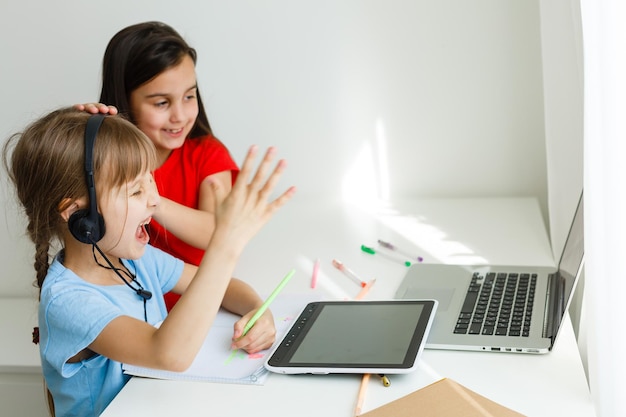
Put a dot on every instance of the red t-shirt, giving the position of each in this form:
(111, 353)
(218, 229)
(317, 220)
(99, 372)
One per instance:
(178, 179)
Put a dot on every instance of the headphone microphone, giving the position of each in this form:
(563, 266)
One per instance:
(146, 295)
(87, 225)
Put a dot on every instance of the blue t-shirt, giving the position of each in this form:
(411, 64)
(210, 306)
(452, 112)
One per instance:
(73, 312)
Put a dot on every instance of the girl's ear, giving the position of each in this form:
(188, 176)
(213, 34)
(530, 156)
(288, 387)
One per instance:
(67, 207)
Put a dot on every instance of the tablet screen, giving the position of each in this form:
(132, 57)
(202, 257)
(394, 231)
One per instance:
(355, 337)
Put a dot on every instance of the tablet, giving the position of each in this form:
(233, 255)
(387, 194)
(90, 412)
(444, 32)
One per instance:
(355, 337)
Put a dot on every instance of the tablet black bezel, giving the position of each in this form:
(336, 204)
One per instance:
(280, 358)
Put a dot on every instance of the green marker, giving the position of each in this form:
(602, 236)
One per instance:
(267, 302)
(371, 251)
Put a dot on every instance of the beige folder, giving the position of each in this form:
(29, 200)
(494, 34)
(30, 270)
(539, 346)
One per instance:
(444, 398)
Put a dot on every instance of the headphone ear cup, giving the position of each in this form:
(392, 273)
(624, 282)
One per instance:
(84, 229)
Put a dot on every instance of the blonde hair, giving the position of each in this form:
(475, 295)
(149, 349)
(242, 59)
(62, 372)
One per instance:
(46, 164)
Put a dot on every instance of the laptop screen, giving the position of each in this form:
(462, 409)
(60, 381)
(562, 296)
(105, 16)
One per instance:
(572, 258)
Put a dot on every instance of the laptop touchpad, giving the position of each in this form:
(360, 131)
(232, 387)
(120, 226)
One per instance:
(443, 295)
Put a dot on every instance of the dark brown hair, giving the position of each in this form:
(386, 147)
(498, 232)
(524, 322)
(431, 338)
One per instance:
(136, 55)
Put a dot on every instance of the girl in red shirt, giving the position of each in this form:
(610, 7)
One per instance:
(148, 75)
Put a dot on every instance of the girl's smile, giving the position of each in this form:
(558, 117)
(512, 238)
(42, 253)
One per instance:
(166, 107)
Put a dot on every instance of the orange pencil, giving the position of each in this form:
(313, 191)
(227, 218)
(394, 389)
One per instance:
(365, 290)
(361, 397)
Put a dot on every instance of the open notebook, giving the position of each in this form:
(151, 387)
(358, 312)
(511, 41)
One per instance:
(217, 362)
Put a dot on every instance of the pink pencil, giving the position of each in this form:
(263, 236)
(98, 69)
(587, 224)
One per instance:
(316, 269)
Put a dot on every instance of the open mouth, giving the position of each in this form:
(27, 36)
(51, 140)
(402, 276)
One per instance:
(142, 232)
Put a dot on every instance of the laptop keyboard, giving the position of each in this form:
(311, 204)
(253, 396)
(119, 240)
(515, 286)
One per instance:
(499, 304)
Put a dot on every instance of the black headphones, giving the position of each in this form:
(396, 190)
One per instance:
(87, 225)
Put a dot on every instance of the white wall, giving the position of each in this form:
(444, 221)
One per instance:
(561, 31)
(562, 53)
(417, 97)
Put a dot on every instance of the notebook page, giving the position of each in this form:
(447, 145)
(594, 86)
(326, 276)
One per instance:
(217, 362)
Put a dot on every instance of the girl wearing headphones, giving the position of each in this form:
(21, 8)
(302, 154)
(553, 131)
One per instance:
(86, 181)
(148, 76)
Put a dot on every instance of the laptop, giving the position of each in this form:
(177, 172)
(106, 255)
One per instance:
(499, 308)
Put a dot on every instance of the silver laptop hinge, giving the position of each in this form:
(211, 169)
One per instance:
(553, 307)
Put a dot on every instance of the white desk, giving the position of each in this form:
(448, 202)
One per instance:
(502, 231)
